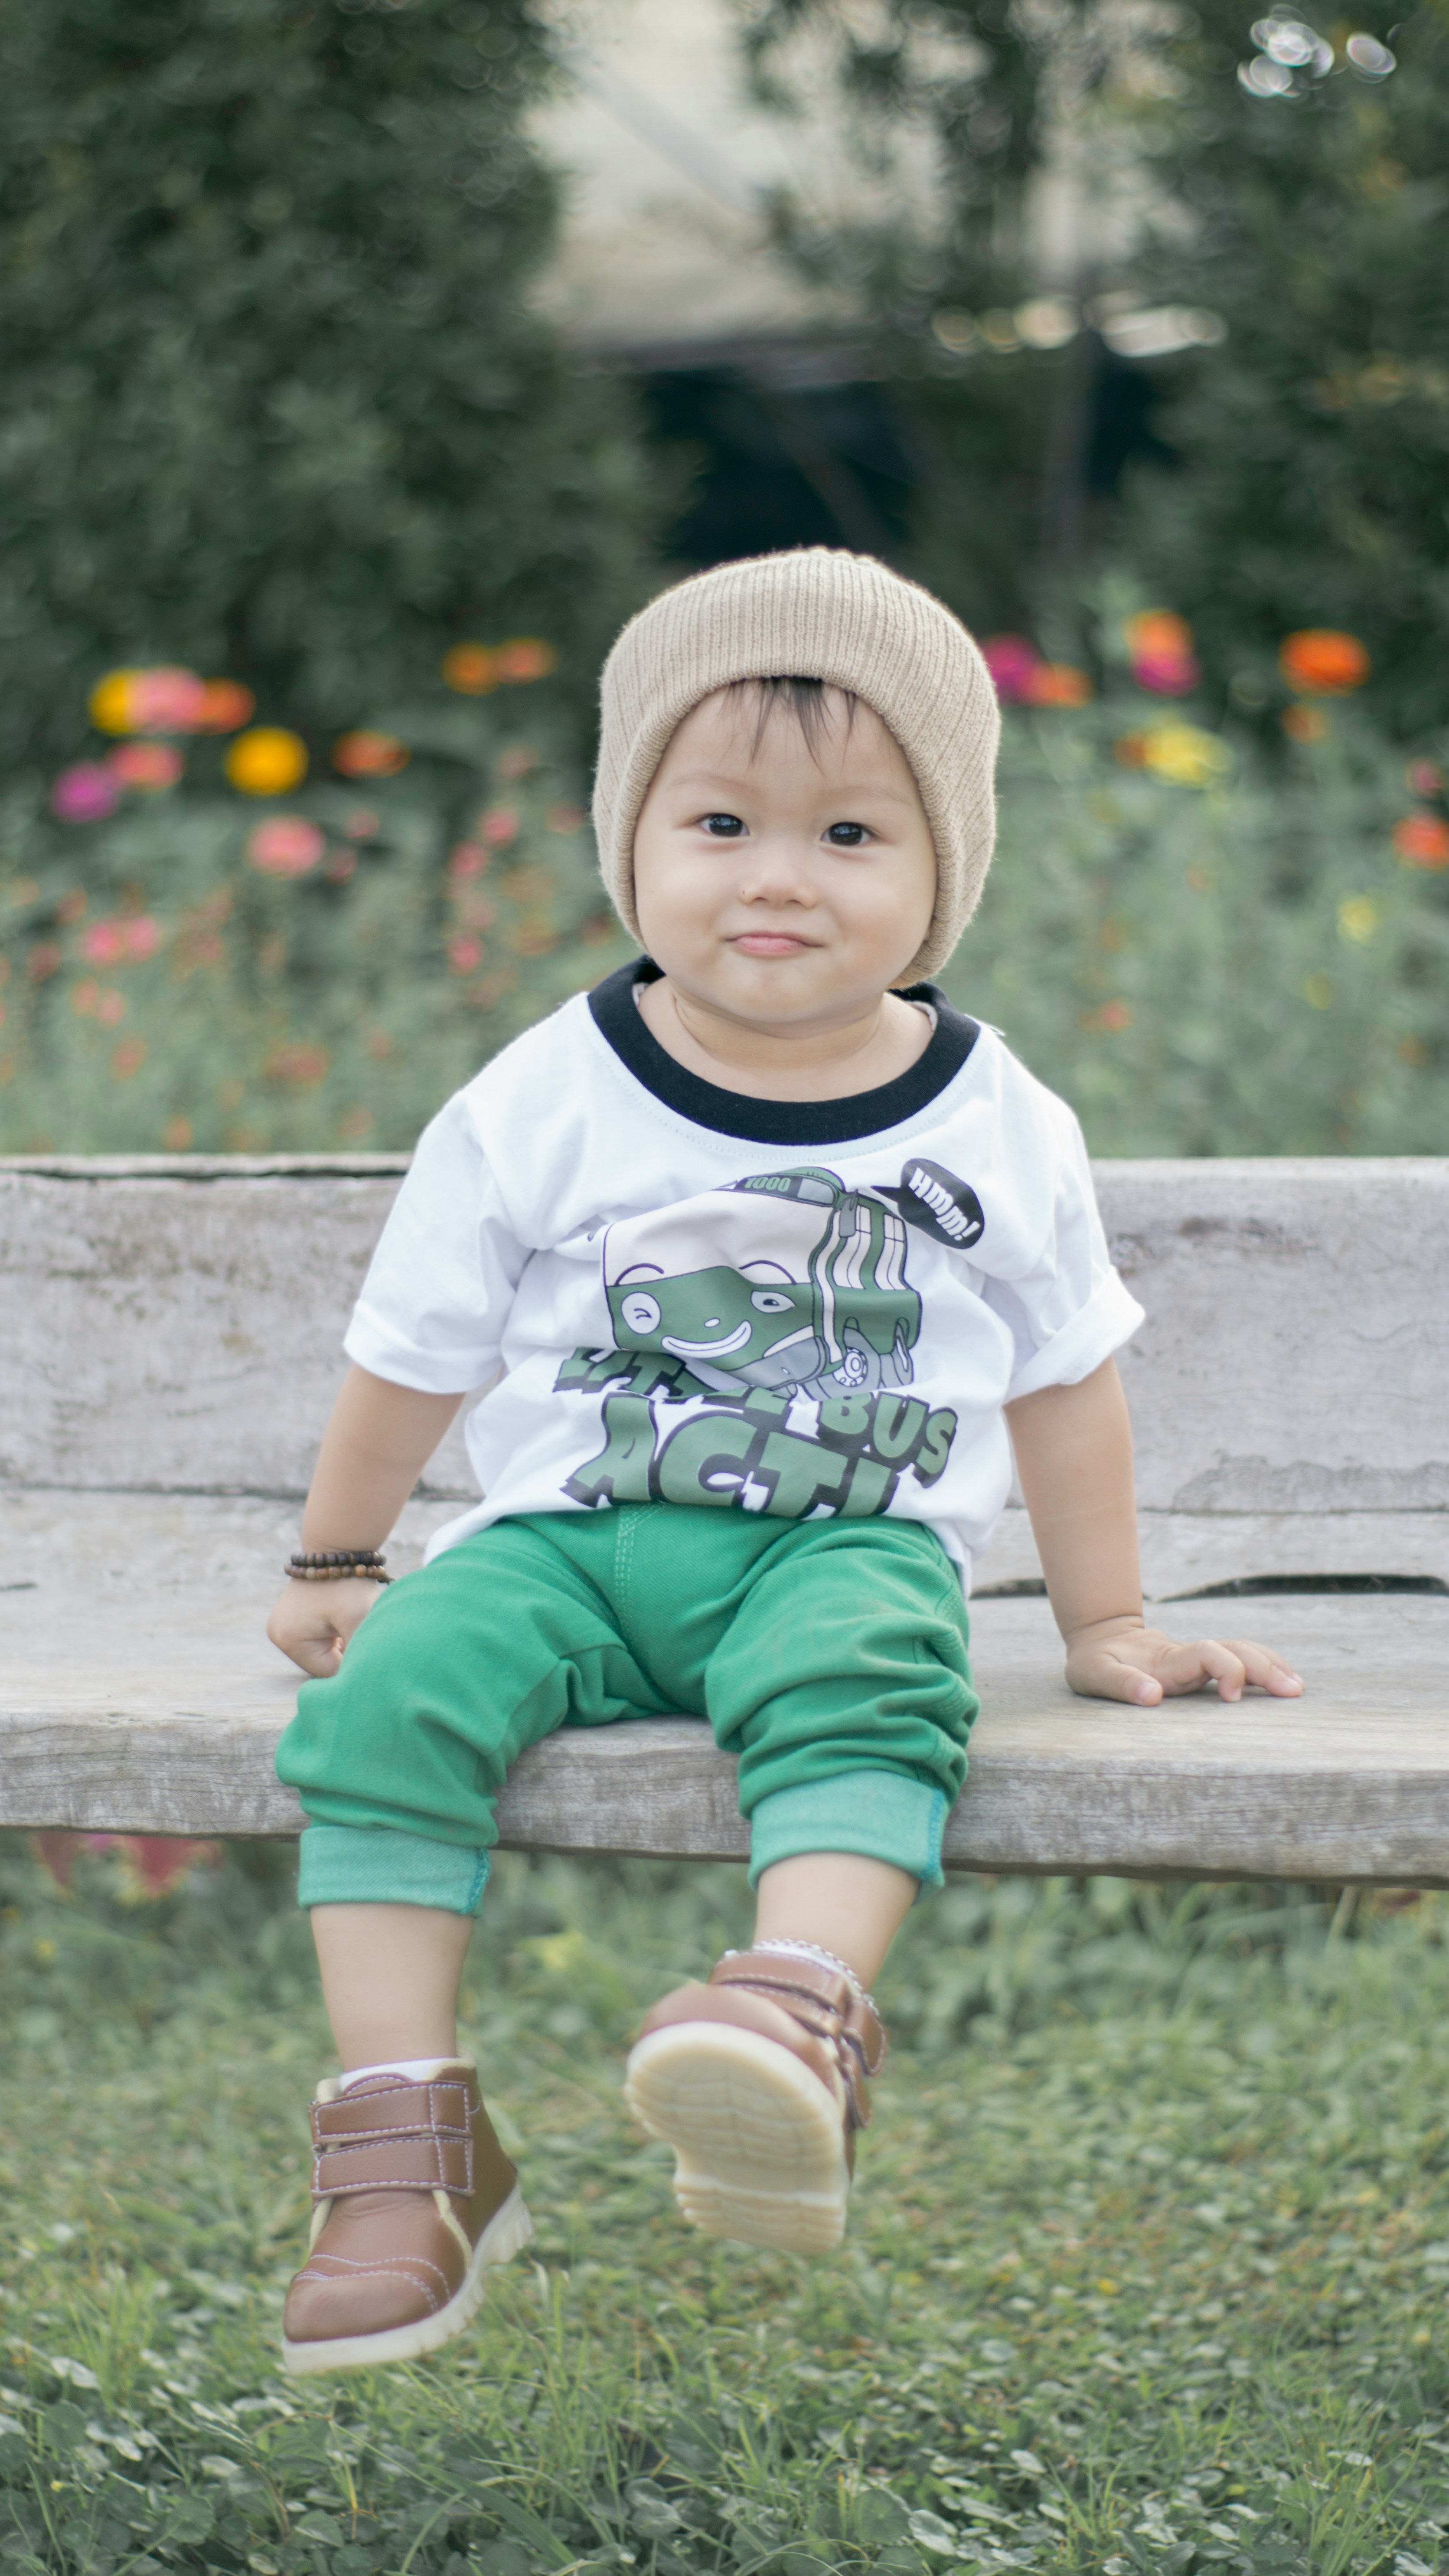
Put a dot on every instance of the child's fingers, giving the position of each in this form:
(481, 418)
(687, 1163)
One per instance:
(1098, 1673)
(1269, 1671)
(1232, 1663)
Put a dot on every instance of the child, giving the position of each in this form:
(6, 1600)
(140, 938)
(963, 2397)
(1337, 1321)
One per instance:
(758, 1246)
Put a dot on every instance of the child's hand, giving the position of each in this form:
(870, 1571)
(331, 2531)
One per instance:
(313, 1621)
(1121, 1659)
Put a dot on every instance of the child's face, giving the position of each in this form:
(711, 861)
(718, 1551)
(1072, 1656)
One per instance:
(776, 881)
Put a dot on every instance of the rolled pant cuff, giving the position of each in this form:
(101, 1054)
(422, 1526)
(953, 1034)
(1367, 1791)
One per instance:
(374, 1865)
(875, 1813)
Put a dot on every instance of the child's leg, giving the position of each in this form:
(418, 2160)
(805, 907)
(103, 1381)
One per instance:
(398, 1759)
(836, 1901)
(843, 1684)
(390, 1979)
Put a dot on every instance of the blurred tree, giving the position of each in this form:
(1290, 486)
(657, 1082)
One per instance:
(275, 403)
(1291, 468)
(1312, 443)
(952, 103)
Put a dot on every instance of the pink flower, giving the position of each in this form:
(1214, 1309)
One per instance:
(168, 700)
(136, 936)
(464, 955)
(1013, 663)
(498, 825)
(361, 824)
(147, 765)
(467, 860)
(1166, 674)
(564, 818)
(104, 944)
(286, 846)
(85, 794)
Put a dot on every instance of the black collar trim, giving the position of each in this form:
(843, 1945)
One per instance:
(620, 1021)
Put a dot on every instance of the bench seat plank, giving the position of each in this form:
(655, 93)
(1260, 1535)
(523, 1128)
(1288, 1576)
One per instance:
(139, 1694)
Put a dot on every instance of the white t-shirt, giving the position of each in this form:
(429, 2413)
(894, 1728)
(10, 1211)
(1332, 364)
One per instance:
(803, 1308)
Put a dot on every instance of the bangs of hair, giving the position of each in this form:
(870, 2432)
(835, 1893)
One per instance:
(801, 698)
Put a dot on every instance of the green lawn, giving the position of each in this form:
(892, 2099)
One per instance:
(1145, 2267)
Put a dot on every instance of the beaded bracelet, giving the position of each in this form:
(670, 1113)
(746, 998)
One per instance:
(334, 1564)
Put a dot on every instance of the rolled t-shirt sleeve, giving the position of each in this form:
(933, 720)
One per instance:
(437, 1294)
(1067, 1310)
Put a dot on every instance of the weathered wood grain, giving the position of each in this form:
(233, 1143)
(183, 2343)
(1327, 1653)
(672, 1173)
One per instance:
(175, 1325)
(177, 1736)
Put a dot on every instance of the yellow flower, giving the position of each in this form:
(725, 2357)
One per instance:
(111, 701)
(1185, 754)
(266, 761)
(1358, 918)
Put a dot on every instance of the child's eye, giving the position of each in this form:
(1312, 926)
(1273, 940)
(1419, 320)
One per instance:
(848, 836)
(722, 827)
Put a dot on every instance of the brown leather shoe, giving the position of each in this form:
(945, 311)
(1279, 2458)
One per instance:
(757, 2081)
(415, 2201)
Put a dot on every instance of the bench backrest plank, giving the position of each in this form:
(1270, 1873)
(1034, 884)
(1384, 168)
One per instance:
(173, 1324)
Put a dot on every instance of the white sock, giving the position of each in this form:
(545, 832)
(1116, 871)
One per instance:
(416, 2070)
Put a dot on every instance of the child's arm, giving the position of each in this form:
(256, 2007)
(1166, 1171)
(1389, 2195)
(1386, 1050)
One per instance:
(374, 1449)
(1074, 1458)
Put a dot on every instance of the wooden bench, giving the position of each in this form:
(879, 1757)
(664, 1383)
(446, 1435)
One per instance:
(169, 1347)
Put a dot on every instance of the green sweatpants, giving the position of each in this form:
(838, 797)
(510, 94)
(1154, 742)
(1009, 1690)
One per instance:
(829, 1656)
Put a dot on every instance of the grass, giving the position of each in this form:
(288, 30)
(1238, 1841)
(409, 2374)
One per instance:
(1145, 2268)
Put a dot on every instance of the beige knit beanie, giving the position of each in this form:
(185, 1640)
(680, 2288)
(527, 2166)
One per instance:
(819, 615)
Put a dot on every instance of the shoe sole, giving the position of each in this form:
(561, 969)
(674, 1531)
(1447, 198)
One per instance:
(504, 2236)
(758, 2141)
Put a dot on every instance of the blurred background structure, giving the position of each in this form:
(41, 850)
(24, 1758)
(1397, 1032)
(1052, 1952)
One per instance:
(368, 362)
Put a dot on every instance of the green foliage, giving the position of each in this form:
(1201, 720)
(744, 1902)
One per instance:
(275, 402)
(1245, 967)
(1314, 440)
(446, 909)
(1145, 2274)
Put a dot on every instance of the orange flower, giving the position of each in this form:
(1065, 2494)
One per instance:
(1058, 684)
(524, 657)
(1322, 662)
(1112, 1016)
(1422, 841)
(147, 765)
(470, 668)
(300, 1065)
(176, 1135)
(129, 1057)
(225, 705)
(1131, 750)
(1304, 724)
(1158, 630)
(370, 755)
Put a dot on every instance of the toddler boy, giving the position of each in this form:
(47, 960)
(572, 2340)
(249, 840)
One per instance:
(758, 1247)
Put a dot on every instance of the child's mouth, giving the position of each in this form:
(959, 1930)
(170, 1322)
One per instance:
(771, 943)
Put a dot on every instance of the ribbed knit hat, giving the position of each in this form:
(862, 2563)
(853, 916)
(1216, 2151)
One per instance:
(819, 615)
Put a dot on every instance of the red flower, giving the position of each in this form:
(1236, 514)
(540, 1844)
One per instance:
(1422, 841)
(1323, 662)
(370, 755)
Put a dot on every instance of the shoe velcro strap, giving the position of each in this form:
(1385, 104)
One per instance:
(839, 2010)
(424, 2160)
(354, 2117)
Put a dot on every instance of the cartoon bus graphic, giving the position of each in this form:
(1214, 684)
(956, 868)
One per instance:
(806, 1293)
